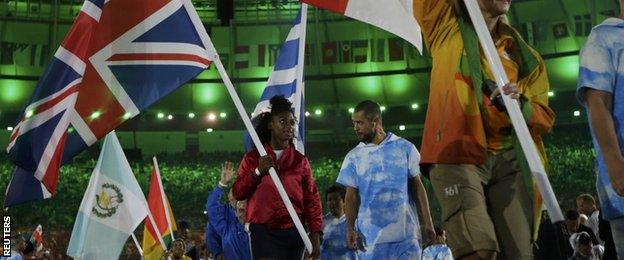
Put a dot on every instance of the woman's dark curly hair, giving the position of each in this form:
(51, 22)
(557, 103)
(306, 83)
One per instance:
(279, 104)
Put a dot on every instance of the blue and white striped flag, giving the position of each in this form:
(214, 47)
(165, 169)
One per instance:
(283, 81)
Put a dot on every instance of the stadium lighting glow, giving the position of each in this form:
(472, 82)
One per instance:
(127, 116)
(10, 128)
(160, 115)
(351, 110)
(252, 114)
(191, 115)
(209, 130)
(95, 115)
(577, 113)
(551, 93)
(29, 113)
(414, 106)
(70, 130)
(170, 117)
(318, 112)
(307, 114)
(222, 115)
(383, 108)
(212, 117)
(402, 127)
(205, 212)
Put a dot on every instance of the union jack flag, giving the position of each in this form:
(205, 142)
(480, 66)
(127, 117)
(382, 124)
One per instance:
(119, 57)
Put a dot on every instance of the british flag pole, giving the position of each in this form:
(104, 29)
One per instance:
(256, 140)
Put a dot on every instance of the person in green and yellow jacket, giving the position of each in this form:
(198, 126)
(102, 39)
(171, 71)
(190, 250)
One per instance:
(469, 148)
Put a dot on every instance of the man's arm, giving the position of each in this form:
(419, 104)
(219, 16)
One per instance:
(599, 106)
(433, 16)
(351, 211)
(419, 195)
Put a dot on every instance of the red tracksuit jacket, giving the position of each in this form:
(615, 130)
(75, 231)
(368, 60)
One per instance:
(264, 205)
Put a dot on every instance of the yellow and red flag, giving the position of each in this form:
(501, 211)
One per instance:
(157, 202)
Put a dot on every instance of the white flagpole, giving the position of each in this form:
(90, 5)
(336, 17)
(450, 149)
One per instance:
(163, 197)
(262, 151)
(513, 109)
(300, 65)
(136, 243)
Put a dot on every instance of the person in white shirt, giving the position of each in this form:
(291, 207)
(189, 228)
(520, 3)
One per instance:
(586, 205)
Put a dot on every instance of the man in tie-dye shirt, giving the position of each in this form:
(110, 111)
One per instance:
(383, 169)
(601, 90)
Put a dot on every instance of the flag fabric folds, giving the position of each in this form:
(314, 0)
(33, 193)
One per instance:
(283, 81)
(112, 207)
(118, 58)
(395, 16)
(156, 201)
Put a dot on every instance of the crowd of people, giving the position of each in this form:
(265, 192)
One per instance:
(378, 204)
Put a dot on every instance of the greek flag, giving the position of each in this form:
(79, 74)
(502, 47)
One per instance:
(283, 81)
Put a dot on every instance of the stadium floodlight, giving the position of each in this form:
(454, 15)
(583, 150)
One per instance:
(10, 128)
(351, 110)
(222, 115)
(415, 106)
(402, 127)
(212, 117)
(160, 115)
(318, 112)
(577, 113)
(209, 130)
(191, 115)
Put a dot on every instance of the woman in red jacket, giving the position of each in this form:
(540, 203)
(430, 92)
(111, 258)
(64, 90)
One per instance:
(273, 234)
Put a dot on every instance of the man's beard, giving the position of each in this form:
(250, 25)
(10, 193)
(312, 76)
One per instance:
(368, 138)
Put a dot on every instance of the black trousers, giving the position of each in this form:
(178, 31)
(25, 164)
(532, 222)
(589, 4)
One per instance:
(279, 244)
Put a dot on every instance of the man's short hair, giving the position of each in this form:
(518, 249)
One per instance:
(336, 189)
(370, 108)
(584, 239)
(439, 231)
(572, 215)
(29, 247)
(183, 224)
(586, 198)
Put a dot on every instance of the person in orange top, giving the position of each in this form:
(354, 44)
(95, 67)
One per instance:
(468, 146)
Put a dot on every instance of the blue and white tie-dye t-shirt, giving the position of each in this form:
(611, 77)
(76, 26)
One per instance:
(437, 252)
(380, 173)
(602, 68)
(335, 239)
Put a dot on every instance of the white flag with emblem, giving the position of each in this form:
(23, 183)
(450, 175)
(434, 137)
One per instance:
(112, 207)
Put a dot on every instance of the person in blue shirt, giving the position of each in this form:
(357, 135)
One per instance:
(438, 250)
(227, 222)
(213, 241)
(334, 245)
(384, 171)
(601, 91)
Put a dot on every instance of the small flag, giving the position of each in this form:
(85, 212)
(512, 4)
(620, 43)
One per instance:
(112, 207)
(156, 200)
(37, 237)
